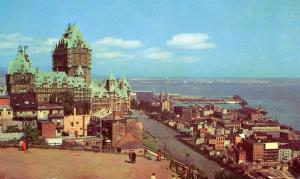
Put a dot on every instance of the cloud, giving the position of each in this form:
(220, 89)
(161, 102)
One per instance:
(191, 41)
(156, 54)
(9, 43)
(107, 53)
(12, 40)
(118, 42)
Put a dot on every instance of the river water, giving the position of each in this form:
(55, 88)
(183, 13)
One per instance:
(178, 150)
(280, 96)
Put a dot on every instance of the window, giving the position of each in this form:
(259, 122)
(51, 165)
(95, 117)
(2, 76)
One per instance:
(72, 124)
(77, 122)
(26, 102)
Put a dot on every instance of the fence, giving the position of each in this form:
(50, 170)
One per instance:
(184, 171)
(74, 147)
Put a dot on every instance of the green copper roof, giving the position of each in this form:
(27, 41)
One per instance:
(58, 78)
(100, 89)
(79, 71)
(111, 76)
(21, 64)
(124, 80)
(72, 36)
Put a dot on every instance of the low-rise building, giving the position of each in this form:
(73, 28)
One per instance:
(240, 155)
(76, 125)
(254, 150)
(285, 153)
(47, 129)
(6, 118)
(24, 108)
(130, 143)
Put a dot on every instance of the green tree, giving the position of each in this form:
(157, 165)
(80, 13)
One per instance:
(31, 133)
(226, 174)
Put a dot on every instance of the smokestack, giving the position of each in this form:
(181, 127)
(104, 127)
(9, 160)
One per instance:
(74, 111)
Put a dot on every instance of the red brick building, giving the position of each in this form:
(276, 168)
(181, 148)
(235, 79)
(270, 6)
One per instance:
(47, 129)
(240, 155)
(254, 150)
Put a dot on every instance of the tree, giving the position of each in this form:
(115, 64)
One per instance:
(13, 129)
(82, 107)
(31, 133)
(226, 174)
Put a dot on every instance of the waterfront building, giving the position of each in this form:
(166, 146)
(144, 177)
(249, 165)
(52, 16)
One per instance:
(251, 114)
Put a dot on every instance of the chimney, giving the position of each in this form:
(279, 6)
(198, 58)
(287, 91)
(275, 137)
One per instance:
(74, 111)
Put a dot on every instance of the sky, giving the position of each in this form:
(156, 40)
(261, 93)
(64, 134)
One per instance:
(160, 38)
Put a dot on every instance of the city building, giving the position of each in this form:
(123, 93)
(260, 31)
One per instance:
(254, 150)
(76, 125)
(47, 129)
(72, 55)
(70, 80)
(53, 113)
(130, 143)
(111, 94)
(285, 153)
(6, 117)
(24, 107)
(240, 155)
(48, 86)
(164, 102)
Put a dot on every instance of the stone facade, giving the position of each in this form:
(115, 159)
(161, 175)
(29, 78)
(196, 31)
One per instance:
(72, 53)
(70, 78)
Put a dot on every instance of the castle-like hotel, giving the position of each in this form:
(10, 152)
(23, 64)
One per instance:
(70, 78)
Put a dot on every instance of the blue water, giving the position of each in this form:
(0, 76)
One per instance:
(280, 96)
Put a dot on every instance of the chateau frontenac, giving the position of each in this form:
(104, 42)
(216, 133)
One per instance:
(71, 65)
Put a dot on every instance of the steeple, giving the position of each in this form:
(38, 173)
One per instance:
(21, 64)
(112, 77)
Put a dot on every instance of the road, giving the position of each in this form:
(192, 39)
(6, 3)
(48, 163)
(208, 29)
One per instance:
(178, 150)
